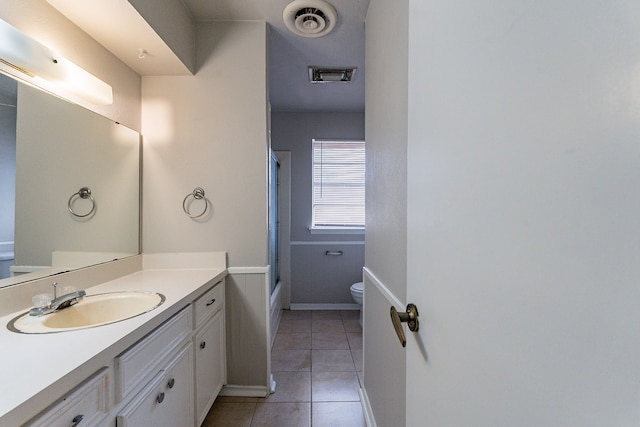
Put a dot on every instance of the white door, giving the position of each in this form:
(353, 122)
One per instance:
(524, 213)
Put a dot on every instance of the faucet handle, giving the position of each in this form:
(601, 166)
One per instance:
(41, 300)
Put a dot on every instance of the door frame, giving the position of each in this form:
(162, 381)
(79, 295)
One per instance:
(284, 213)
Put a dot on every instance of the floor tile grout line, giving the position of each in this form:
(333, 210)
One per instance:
(310, 349)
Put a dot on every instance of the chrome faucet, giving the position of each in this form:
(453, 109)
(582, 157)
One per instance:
(59, 302)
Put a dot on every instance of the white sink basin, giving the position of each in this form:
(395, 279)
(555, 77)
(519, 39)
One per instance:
(91, 311)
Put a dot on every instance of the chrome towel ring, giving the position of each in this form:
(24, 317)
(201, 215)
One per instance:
(197, 194)
(83, 193)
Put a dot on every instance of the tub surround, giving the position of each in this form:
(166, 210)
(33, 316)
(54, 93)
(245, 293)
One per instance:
(38, 369)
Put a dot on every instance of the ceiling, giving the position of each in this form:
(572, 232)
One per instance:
(290, 55)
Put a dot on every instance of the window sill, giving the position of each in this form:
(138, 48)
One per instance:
(336, 230)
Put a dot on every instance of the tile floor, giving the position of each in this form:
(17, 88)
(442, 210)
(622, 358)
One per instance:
(317, 364)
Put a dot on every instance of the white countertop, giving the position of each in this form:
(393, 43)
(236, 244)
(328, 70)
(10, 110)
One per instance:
(47, 365)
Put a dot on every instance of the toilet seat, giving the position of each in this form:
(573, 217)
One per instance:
(357, 293)
(357, 288)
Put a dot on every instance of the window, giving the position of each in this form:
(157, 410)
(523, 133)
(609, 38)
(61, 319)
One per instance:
(338, 184)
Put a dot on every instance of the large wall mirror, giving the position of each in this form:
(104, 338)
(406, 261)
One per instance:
(50, 149)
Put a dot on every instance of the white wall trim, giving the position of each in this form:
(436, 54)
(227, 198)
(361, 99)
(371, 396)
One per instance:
(6, 251)
(245, 390)
(6, 246)
(248, 270)
(310, 306)
(382, 288)
(321, 242)
(369, 419)
(336, 230)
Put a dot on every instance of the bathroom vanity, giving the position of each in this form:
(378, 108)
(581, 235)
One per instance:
(162, 368)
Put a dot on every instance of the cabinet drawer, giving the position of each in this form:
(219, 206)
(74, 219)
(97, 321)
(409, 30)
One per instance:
(137, 365)
(85, 405)
(209, 303)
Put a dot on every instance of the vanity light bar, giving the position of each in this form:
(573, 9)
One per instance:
(30, 57)
(15, 67)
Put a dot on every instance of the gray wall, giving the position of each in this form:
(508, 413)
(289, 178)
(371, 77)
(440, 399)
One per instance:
(315, 277)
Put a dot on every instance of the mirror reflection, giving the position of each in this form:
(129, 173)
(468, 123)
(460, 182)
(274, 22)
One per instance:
(50, 150)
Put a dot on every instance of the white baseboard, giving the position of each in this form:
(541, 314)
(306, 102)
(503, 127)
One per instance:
(369, 419)
(343, 306)
(245, 390)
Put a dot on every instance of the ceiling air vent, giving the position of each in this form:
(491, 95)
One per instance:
(310, 18)
(331, 75)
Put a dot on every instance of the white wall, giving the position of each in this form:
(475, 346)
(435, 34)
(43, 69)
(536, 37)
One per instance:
(386, 235)
(173, 23)
(45, 24)
(210, 131)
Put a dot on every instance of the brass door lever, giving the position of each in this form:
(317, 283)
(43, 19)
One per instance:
(410, 317)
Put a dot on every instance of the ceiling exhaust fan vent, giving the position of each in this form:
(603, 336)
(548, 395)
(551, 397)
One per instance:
(310, 18)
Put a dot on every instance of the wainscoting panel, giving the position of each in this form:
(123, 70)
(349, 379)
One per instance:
(323, 272)
(384, 358)
(248, 334)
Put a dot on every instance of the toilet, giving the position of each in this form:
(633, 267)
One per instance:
(357, 290)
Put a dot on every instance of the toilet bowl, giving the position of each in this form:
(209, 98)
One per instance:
(357, 291)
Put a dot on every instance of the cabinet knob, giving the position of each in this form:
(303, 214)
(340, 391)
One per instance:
(76, 420)
(171, 383)
(160, 397)
(203, 344)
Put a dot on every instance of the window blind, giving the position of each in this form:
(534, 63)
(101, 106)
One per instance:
(338, 183)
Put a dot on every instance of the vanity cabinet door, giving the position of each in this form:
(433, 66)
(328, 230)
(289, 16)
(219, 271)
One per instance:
(167, 400)
(210, 363)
